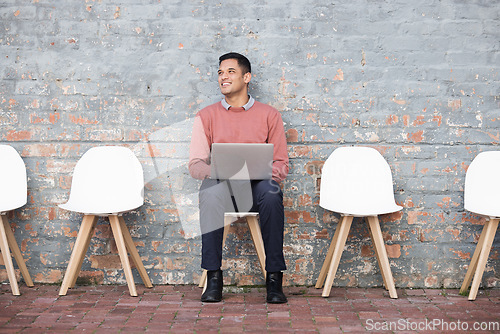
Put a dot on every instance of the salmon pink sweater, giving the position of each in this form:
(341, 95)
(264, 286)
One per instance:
(261, 123)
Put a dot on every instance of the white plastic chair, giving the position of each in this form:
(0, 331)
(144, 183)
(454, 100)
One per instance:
(356, 182)
(13, 195)
(482, 197)
(253, 225)
(107, 181)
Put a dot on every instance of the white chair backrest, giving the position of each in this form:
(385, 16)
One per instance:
(482, 185)
(357, 181)
(13, 184)
(106, 179)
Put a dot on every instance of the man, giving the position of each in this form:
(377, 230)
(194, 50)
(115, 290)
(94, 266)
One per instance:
(238, 118)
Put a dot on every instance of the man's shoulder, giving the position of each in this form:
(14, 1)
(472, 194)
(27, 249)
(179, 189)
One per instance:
(268, 110)
(265, 107)
(210, 109)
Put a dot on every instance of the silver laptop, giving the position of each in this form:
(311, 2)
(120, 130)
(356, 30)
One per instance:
(241, 161)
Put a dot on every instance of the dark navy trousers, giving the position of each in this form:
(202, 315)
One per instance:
(262, 196)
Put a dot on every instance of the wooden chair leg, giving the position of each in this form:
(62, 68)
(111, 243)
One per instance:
(328, 259)
(16, 252)
(384, 276)
(256, 234)
(203, 279)
(79, 251)
(473, 263)
(122, 252)
(483, 257)
(134, 254)
(344, 226)
(227, 223)
(379, 245)
(86, 240)
(7, 259)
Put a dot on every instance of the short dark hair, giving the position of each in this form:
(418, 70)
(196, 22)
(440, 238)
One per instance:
(243, 61)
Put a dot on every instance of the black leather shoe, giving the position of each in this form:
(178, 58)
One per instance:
(213, 292)
(274, 285)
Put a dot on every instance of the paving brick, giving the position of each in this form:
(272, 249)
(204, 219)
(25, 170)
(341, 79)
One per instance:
(113, 310)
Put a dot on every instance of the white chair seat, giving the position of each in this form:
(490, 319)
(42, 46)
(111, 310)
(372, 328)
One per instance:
(11, 205)
(369, 211)
(241, 214)
(13, 181)
(98, 210)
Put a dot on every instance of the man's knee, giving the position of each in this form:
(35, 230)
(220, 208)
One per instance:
(213, 193)
(269, 193)
(272, 197)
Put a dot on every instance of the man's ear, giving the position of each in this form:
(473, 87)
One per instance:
(247, 77)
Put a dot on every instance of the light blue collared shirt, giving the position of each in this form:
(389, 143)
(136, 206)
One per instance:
(247, 106)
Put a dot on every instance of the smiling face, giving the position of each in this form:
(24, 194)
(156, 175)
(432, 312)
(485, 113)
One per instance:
(232, 81)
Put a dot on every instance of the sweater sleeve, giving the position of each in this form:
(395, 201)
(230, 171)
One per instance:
(199, 150)
(278, 138)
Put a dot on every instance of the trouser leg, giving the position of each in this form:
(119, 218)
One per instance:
(212, 206)
(215, 199)
(268, 201)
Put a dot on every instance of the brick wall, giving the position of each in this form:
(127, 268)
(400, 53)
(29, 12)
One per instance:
(418, 82)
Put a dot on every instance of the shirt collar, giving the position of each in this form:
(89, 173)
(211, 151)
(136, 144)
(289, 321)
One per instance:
(247, 106)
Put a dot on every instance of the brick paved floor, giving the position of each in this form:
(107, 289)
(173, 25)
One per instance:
(177, 309)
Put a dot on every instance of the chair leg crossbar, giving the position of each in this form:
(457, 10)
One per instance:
(332, 260)
(7, 244)
(479, 259)
(253, 226)
(124, 243)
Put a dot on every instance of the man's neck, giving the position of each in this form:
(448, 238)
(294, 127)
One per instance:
(237, 101)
